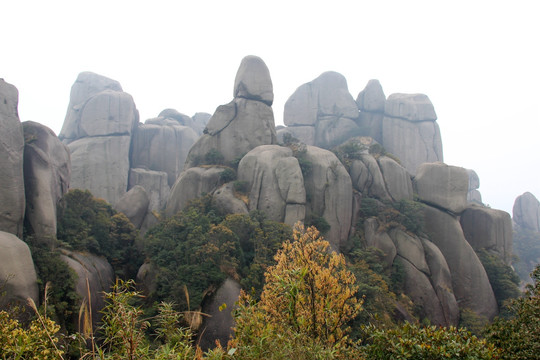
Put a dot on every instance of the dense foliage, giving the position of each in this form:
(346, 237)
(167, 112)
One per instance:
(198, 248)
(89, 224)
(306, 303)
(519, 336)
(504, 280)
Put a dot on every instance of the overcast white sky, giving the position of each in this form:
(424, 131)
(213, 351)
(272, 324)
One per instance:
(478, 61)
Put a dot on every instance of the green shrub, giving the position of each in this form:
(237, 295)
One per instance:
(412, 341)
(503, 279)
(241, 186)
(519, 336)
(213, 157)
(227, 175)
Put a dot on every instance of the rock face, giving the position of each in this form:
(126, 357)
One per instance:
(17, 267)
(371, 102)
(526, 212)
(442, 186)
(98, 128)
(469, 279)
(134, 204)
(410, 131)
(155, 183)
(94, 274)
(474, 196)
(218, 326)
(244, 123)
(489, 229)
(322, 112)
(47, 170)
(191, 184)
(162, 144)
(329, 189)
(276, 183)
(11, 162)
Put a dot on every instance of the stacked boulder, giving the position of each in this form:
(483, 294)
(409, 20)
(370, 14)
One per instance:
(371, 102)
(410, 130)
(97, 130)
(16, 265)
(322, 112)
(244, 123)
(235, 129)
(443, 189)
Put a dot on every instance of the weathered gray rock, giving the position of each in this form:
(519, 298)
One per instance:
(155, 183)
(411, 249)
(147, 278)
(526, 212)
(244, 123)
(226, 200)
(134, 204)
(325, 104)
(191, 184)
(489, 229)
(234, 130)
(94, 275)
(397, 179)
(17, 269)
(331, 131)
(160, 145)
(371, 124)
(367, 177)
(276, 183)
(253, 81)
(442, 186)
(418, 287)
(330, 190)
(200, 120)
(441, 281)
(12, 198)
(474, 196)
(98, 127)
(174, 114)
(469, 279)
(47, 172)
(101, 165)
(411, 107)
(87, 85)
(219, 325)
(380, 240)
(413, 143)
(372, 98)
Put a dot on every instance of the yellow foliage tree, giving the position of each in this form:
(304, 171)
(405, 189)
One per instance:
(308, 292)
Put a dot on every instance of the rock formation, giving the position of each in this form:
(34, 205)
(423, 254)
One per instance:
(488, 229)
(329, 191)
(322, 112)
(410, 130)
(244, 123)
(371, 102)
(94, 275)
(134, 204)
(163, 143)
(276, 183)
(474, 196)
(98, 128)
(220, 322)
(526, 212)
(47, 170)
(17, 270)
(442, 186)
(12, 198)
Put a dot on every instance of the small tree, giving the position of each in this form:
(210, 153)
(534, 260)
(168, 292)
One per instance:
(519, 337)
(308, 299)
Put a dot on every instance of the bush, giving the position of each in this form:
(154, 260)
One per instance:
(519, 336)
(227, 175)
(412, 341)
(503, 279)
(213, 157)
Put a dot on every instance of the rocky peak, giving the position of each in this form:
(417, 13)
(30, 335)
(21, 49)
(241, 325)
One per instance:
(526, 212)
(253, 81)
